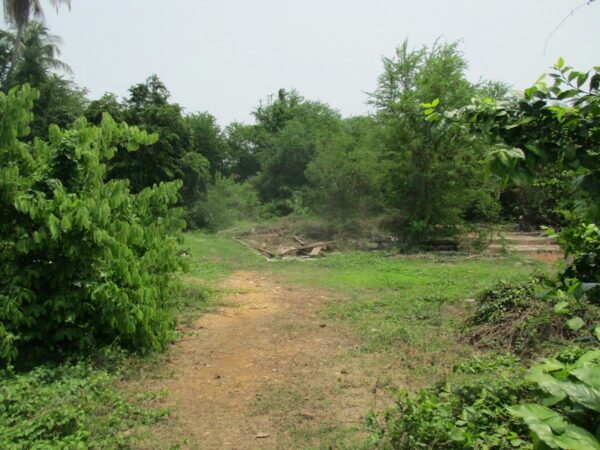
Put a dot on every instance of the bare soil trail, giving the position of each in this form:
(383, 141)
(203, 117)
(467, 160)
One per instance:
(265, 371)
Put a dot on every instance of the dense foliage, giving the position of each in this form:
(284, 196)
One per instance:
(72, 406)
(552, 128)
(569, 414)
(83, 259)
(468, 416)
(435, 176)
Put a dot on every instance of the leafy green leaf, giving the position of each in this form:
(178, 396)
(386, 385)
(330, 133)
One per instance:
(589, 375)
(576, 438)
(575, 323)
(561, 307)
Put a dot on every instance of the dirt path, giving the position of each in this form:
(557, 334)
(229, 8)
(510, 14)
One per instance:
(266, 372)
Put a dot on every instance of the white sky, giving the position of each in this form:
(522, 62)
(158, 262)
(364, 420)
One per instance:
(223, 56)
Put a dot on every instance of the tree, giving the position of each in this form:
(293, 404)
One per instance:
(207, 140)
(148, 108)
(345, 176)
(19, 13)
(61, 101)
(287, 134)
(39, 56)
(241, 151)
(433, 176)
(556, 126)
(171, 157)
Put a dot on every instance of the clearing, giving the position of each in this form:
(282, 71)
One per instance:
(299, 352)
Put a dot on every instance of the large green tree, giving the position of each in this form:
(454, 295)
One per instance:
(241, 151)
(347, 173)
(207, 140)
(60, 102)
(173, 156)
(19, 13)
(287, 133)
(433, 177)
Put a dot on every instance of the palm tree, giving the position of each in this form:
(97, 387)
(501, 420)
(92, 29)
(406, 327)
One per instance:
(39, 54)
(18, 13)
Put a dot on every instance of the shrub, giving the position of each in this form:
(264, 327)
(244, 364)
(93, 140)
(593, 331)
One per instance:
(225, 203)
(67, 407)
(582, 243)
(510, 316)
(83, 261)
(470, 416)
(567, 413)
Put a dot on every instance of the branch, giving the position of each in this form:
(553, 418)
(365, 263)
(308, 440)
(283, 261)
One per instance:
(562, 22)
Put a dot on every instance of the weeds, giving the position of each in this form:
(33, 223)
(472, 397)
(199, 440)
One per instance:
(511, 317)
(70, 406)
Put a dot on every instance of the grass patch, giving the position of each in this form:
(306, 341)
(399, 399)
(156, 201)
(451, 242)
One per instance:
(299, 411)
(415, 301)
(213, 256)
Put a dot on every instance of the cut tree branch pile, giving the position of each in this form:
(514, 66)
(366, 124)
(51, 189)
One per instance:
(300, 248)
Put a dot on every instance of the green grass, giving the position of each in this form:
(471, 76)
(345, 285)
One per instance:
(213, 256)
(393, 302)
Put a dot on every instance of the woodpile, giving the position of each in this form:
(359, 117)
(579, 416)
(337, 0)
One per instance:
(299, 249)
(311, 250)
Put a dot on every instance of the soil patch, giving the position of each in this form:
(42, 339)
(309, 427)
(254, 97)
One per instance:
(266, 371)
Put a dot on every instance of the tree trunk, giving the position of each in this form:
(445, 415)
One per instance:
(14, 58)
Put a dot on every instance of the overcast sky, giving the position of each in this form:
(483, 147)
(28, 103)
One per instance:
(224, 56)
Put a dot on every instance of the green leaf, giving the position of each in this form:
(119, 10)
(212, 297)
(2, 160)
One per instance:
(561, 308)
(548, 384)
(576, 438)
(597, 332)
(540, 420)
(582, 394)
(560, 63)
(435, 102)
(595, 82)
(589, 375)
(575, 323)
(582, 78)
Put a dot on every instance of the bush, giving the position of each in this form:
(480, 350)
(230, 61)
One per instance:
(558, 400)
(582, 243)
(225, 203)
(566, 414)
(510, 316)
(83, 261)
(67, 407)
(470, 416)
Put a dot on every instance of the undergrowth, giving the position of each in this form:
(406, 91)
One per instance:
(80, 404)
(512, 316)
(70, 406)
(468, 416)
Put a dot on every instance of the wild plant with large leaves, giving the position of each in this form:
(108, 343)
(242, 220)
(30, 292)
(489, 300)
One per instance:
(82, 260)
(569, 416)
(555, 125)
